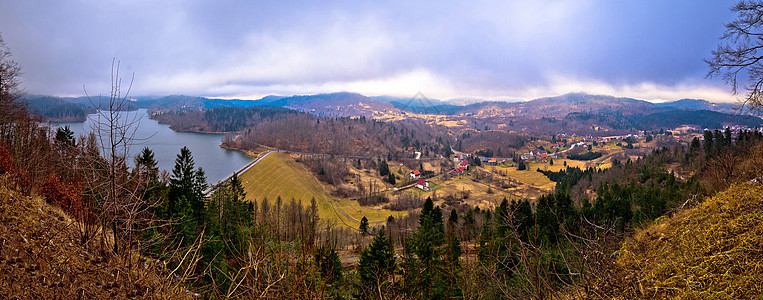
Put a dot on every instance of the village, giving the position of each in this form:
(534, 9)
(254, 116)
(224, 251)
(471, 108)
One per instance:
(515, 173)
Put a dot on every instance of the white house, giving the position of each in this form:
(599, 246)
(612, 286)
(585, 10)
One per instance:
(422, 184)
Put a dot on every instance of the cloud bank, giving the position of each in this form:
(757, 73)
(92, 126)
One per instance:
(489, 49)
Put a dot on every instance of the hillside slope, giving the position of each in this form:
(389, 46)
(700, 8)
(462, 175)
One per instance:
(338, 105)
(41, 259)
(712, 251)
(279, 175)
(559, 106)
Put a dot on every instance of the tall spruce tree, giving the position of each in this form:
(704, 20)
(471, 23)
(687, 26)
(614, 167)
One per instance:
(376, 263)
(429, 240)
(185, 201)
(383, 168)
(146, 165)
(363, 225)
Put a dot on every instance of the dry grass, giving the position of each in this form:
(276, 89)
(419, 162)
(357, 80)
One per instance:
(712, 251)
(478, 192)
(279, 175)
(41, 259)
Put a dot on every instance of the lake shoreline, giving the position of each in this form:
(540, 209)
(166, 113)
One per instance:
(218, 161)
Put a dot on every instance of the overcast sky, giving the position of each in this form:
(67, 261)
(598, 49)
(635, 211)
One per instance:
(648, 49)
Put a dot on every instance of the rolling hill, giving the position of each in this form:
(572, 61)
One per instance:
(559, 106)
(58, 109)
(702, 118)
(279, 175)
(698, 104)
(338, 105)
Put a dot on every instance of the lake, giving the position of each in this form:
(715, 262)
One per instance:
(217, 162)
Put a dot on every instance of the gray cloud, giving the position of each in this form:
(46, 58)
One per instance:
(504, 49)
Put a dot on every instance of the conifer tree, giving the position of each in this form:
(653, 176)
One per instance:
(65, 136)
(186, 195)
(376, 263)
(363, 225)
(383, 168)
(328, 263)
(146, 165)
(429, 240)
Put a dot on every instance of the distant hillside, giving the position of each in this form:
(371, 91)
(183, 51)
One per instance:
(338, 105)
(223, 118)
(576, 111)
(697, 104)
(421, 105)
(701, 118)
(559, 106)
(57, 109)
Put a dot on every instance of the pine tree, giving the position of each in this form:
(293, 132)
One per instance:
(376, 263)
(429, 240)
(65, 136)
(453, 253)
(313, 222)
(328, 264)
(383, 168)
(186, 195)
(486, 238)
(363, 225)
(182, 180)
(146, 165)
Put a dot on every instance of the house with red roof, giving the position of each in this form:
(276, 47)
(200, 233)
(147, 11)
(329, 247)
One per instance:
(422, 184)
(415, 174)
(464, 165)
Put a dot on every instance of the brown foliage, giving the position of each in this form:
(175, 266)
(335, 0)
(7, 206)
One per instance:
(40, 258)
(66, 195)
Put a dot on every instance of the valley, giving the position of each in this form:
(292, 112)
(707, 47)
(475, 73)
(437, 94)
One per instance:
(485, 174)
(381, 150)
(341, 170)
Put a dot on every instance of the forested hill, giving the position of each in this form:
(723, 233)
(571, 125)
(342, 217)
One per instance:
(58, 109)
(698, 104)
(338, 105)
(183, 102)
(224, 119)
(560, 106)
(701, 118)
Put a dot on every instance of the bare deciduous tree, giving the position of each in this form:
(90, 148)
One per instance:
(10, 74)
(123, 210)
(738, 57)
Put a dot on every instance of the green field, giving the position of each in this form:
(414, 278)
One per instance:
(279, 175)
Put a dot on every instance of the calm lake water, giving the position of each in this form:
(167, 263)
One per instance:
(205, 147)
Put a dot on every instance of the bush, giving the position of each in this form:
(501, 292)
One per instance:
(586, 156)
(65, 195)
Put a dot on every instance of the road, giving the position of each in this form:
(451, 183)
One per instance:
(348, 155)
(242, 170)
